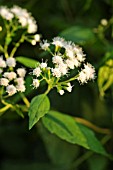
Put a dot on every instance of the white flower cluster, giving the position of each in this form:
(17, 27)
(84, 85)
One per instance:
(66, 56)
(13, 81)
(72, 57)
(22, 15)
(88, 73)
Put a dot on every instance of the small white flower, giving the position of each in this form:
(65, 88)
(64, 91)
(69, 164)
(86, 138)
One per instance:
(56, 72)
(25, 18)
(37, 37)
(2, 63)
(70, 63)
(44, 45)
(11, 62)
(21, 14)
(82, 77)
(79, 53)
(69, 88)
(104, 22)
(33, 42)
(43, 65)
(63, 68)
(0, 28)
(58, 41)
(69, 84)
(70, 53)
(69, 45)
(21, 88)
(89, 71)
(57, 59)
(18, 11)
(5, 13)
(10, 75)
(37, 71)
(36, 83)
(80, 56)
(76, 62)
(61, 92)
(11, 89)
(4, 82)
(32, 27)
(22, 20)
(21, 72)
(19, 80)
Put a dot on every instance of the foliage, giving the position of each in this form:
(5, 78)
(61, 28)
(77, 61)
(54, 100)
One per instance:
(67, 132)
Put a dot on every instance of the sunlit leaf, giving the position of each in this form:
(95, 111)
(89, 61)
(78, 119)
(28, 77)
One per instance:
(66, 128)
(28, 62)
(39, 106)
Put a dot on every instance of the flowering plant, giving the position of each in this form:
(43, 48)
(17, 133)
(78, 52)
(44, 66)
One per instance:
(17, 22)
(64, 58)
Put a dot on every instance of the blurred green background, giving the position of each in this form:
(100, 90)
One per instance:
(37, 149)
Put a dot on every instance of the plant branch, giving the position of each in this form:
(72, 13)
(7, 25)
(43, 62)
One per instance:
(48, 89)
(21, 40)
(6, 107)
(25, 100)
(71, 79)
(92, 126)
(2, 110)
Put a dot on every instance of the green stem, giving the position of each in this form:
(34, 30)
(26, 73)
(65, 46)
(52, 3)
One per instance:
(1, 92)
(71, 79)
(48, 89)
(21, 40)
(5, 103)
(92, 126)
(5, 51)
(80, 160)
(2, 110)
(7, 36)
(6, 107)
(50, 52)
(105, 139)
(25, 100)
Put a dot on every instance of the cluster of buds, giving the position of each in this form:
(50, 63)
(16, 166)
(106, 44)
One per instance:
(19, 18)
(21, 15)
(66, 56)
(12, 80)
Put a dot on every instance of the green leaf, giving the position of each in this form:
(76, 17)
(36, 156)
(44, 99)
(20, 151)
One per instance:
(66, 128)
(18, 111)
(28, 62)
(78, 34)
(39, 106)
(92, 141)
(68, 152)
